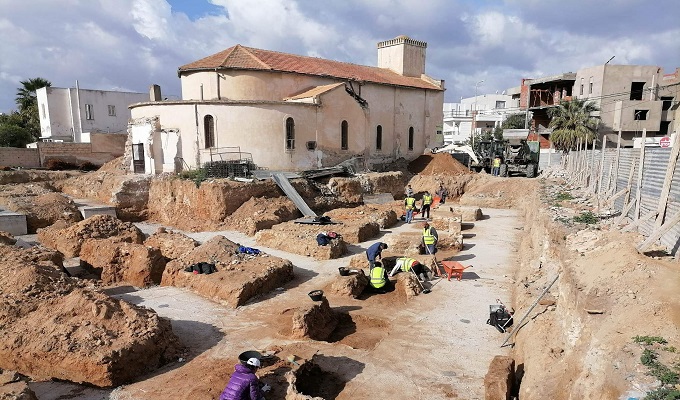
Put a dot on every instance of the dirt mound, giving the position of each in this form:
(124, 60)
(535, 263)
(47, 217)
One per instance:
(382, 214)
(117, 262)
(117, 166)
(492, 191)
(25, 176)
(301, 239)
(261, 213)
(384, 182)
(14, 387)
(39, 203)
(352, 285)
(315, 321)
(128, 193)
(455, 184)
(35, 254)
(68, 240)
(239, 277)
(7, 238)
(437, 164)
(49, 320)
(171, 244)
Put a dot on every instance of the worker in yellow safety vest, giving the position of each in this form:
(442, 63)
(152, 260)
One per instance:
(425, 205)
(379, 281)
(430, 238)
(496, 170)
(407, 264)
(410, 204)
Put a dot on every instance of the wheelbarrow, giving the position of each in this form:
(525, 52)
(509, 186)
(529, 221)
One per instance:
(454, 269)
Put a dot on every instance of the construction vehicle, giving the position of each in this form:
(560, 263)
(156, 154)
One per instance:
(518, 154)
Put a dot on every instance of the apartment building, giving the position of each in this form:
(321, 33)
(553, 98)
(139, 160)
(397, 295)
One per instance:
(71, 114)
(475, 114)
(630, 98)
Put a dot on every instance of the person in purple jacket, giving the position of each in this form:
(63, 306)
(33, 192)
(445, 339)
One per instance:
(243, 384)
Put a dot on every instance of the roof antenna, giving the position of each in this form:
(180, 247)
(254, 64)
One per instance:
(609, 60)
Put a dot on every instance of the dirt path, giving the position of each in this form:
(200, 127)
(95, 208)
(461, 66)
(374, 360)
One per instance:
(436, 346)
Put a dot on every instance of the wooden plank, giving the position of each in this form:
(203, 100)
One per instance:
(625, 212)
(638, 221)
(617, 195)
(591, 181)
(659, 232)
(641, 167)
(599, 179)
(630, 181)
(668, 179)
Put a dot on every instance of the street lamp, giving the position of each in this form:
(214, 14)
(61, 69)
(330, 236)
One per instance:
(474, 115)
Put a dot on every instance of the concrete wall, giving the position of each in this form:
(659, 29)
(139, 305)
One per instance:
(104, 148)
(14, 157)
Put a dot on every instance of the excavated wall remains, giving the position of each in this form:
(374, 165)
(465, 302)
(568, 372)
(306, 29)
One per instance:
(239, 276)
(301, 239)
(69, 239)
(54, 327)
(120, 262)
(41, 205)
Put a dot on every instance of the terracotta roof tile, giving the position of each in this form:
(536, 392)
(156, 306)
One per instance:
(241, 57)
(315, 91)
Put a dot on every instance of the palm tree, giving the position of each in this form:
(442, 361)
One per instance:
(28, 103)
(572, 120)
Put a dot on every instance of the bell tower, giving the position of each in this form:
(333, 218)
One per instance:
(403, 55)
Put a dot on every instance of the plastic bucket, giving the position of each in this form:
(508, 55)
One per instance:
(246, 355)
(316, 295)
(343, 271)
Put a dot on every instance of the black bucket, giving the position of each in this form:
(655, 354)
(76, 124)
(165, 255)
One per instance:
(343, 271)
(247, 355)
(316, 295)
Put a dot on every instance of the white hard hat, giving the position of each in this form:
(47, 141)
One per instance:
(254, 362)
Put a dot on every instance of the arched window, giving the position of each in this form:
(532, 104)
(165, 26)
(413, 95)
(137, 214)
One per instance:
(378, 138)
(410, 138)
(209, 131)
(344, 136)
(290, 133)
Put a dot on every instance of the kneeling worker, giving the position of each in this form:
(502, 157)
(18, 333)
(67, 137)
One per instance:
(407, 264)
(244, 384)
(379, 281)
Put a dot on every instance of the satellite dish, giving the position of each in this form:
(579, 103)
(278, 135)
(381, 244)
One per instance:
(503, 92)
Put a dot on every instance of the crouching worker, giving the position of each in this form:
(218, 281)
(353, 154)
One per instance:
(379, 281)
(407, 264)
(243, 384)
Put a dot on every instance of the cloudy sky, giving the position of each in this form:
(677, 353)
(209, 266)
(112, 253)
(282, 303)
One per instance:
(130, 44)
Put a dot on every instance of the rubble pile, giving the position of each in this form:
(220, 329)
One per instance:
(171, 244)
(69, 239)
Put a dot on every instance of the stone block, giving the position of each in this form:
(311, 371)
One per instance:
(498, 380)
(88, 211)
(13, 223)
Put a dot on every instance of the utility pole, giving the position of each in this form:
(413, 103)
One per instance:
(474, 116)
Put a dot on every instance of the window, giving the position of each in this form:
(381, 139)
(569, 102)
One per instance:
(590, 86)
(209, 131)
(42, 107)
(641, 115)
(636, 89)
(89, 113)
(666, 105)
(410, 138)
(500, 104)
(378, 138)
(344, 136)
(663, 128)
(581, 92)
(290, 134)
(112, 111)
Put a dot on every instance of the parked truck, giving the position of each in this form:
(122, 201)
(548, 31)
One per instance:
(518, 154)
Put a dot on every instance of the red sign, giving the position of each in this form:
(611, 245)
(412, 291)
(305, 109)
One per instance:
(665, 141)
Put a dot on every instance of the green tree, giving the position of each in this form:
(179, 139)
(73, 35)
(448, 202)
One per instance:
(573, 120)
(514, 121)
(14, 136)
(27, 102)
